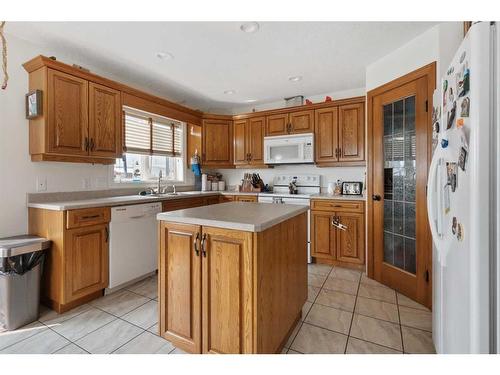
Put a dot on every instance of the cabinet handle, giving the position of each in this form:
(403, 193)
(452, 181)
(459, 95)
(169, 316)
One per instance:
(289, 127)
(203, 247)
(107, 233)
(86, 143)
(340, 152)
(92, 144)
(88, 217)
(376, 197)
(196, 250)
(337, 152)
(249, 156)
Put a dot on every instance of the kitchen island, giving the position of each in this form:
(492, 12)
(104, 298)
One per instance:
(232, 276)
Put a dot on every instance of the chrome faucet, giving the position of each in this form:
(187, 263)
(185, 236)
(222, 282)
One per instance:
(173, 187)
(159, 183)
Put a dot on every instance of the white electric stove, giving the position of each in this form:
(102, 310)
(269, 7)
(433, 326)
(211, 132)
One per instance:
(307, 185)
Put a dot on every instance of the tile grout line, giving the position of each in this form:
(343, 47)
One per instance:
(352, 317)
(400, 328)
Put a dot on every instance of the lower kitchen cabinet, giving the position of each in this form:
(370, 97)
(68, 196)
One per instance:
(87, 257)
(338, 231)
(76, 265)
(238, 198)
(182, 203)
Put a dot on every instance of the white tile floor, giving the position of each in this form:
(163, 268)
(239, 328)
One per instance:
(345, 313)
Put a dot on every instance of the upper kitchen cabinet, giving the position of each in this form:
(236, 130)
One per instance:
(217, 138)
(67, 113)
(339, 133)
(249, 142)
(81, 121)
(105, 117)
(290, 123)
(352, 132)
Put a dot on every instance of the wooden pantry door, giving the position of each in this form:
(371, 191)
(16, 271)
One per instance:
(399, 129)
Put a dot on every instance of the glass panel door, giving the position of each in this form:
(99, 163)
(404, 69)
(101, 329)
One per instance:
(400, 184)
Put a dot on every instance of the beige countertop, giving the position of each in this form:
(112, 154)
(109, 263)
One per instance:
(339, 197)
(126, 199)
(248, 217)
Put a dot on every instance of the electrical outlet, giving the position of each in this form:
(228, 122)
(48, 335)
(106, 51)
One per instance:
(41, 184)
(86, 184)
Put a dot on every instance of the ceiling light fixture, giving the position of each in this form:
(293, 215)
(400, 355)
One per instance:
(250, 27)
(295, 78)
(164, 55)
(250, 100)
(229, 92)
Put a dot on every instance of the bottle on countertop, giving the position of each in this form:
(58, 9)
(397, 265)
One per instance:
(338, 188)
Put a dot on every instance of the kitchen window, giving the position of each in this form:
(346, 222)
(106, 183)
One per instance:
(152, 144)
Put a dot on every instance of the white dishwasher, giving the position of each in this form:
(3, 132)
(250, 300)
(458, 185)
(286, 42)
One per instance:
(133, 243)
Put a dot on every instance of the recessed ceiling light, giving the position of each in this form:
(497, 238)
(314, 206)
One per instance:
(164, 55)
(250, 100)
(250, 27)
(295, 78)
(229, 92)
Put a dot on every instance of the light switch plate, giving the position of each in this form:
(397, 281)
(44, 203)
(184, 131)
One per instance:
(41, 184)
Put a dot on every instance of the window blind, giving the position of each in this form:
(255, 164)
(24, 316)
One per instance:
(152, 135)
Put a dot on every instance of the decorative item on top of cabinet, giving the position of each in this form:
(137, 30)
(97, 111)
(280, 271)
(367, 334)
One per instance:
(217, 140)
(338, 232)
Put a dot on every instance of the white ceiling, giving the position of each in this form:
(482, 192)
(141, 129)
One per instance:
(212, 57)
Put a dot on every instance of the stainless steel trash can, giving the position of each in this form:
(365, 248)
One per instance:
(21, 264)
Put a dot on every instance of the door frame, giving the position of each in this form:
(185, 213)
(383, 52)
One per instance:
(428, 71)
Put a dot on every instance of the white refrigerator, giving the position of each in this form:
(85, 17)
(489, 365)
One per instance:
(462, 198)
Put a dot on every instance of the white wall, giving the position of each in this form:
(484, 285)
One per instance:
(436, 44)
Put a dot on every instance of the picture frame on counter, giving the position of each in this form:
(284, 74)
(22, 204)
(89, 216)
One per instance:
(33, 104)
(352, 188)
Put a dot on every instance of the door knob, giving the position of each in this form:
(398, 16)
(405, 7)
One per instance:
(376, 197)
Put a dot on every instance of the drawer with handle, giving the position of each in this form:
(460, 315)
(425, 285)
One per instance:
(337, 205)
(87, 216)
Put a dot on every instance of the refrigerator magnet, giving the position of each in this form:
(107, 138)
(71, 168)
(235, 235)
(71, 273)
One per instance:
(444, 143)
(451, 173)
(445, 89)
(451, 116)
(454, 225)
(462, 158)
(465, 84)
(460, 232)
(460, 122)
(446, 198)
(464, 112)
(462, 56)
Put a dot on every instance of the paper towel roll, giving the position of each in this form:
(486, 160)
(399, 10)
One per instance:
(204, 182)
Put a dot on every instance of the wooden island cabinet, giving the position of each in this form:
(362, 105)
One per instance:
(229, 290)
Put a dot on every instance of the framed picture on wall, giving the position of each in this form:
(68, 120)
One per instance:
(33, 104)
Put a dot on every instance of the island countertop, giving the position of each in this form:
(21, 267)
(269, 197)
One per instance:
(244, 216)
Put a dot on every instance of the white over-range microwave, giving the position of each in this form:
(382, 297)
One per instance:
(289, 149)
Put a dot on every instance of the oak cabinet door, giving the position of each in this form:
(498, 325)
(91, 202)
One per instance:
(217, 142)
(180, 285)
(67, 114)
(240, 142)
(323, 235)
(326, 134)
(105, 121)
(86, 261)
(256, 130)
(301, 122)
(351, 242)
(226, 198)
(227, 291)
(277, 124)
(351, 132)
